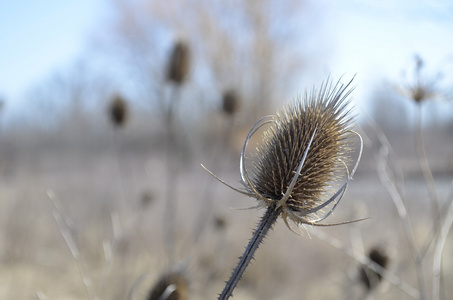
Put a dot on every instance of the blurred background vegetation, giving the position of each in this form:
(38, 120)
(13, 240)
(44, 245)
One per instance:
(123, 182)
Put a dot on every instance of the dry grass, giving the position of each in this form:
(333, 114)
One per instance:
(35, 258)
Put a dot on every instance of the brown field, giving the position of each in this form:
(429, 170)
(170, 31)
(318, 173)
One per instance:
(113, 201)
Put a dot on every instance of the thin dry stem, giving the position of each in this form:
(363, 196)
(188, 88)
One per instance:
(67, 236)
(206, 207)
(389, 276)
(406, 223)
(424, 164)
(438, 250)
(172, 176)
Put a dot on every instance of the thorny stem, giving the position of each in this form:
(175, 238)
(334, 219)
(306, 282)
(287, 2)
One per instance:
(266, 223)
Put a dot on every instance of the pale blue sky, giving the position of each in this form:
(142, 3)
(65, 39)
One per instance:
(378, 36)
(378, 40)
(371, 38)
(38, 37)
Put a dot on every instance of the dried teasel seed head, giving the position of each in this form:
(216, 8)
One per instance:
(422, 88)
(303, 155)
(220, 223)
(118, 111)
(230, 102)
(178, 67)
(147, 199)
(304, 152)
(170, 286)
(369, 278)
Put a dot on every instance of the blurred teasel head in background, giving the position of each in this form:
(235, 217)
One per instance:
(170, 286)
(230, 102)
(118, 110)
(179, 63)
(369, 278)
(420, 87)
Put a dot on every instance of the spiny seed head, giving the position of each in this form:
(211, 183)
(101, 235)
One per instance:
(178, 67)
(230, 102)
(171, 286)
(118, 111)
(317, 127)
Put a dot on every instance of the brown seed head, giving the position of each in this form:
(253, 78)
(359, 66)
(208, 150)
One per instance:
(423, 88)
(220, 223)
(178, 67)
(147, 199)
(118, 111)
(368, 277)
(303, 152)
(171, 286)
(230, 104)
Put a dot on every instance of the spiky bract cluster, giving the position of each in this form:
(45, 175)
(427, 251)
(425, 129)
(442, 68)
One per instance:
(310, 136)
(171, 286)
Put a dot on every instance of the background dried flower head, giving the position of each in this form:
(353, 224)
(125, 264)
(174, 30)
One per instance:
(178, 67)
(170, 286)
(118, 111)
(368, 277)
(230, 102)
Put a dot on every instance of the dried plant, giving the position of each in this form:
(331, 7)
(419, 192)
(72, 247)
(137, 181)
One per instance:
(118, 111)
(178, 66)
(146, 199)
(304, 150)
(230, 102)
(177, 72)
(369, 278)
(422, 88)
(230, 108)
(220, 223)
(170, 286)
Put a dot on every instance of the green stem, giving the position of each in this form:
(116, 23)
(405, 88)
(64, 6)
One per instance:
(266, 223)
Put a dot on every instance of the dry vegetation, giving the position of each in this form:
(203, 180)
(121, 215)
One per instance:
(95, 210)
(86, 183)
(108, 186)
